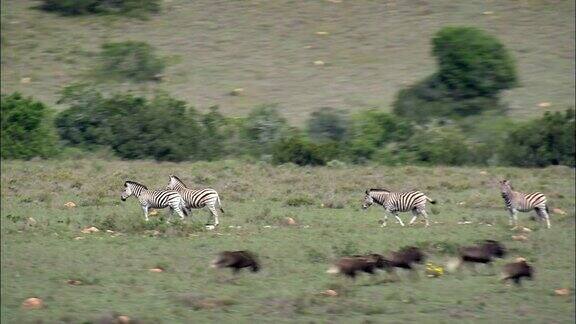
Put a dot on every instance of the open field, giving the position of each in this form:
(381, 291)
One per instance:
(371, 50)
(39, 257)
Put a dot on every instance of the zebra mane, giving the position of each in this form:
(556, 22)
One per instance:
(377, 189)
(135, 183)
(178, 179)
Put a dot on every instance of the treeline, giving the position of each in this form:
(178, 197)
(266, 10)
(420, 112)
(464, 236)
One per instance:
(167, 129)
(452, 117)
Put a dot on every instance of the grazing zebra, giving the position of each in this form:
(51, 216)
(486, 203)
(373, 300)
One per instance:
(517, 201)
(197, 198)
(394, 202)
(154, 198)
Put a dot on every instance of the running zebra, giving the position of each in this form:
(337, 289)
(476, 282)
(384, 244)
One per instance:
(517, 201)
(394, 202)
(197, 198)
(154, 198)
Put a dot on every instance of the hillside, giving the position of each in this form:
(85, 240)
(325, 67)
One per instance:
(371, 49)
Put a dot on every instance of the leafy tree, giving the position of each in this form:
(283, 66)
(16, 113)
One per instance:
(439, 145)
(27, 129)
(130, 60)
(214, 136)
(545, 141)
(296, 149)
(263, 127)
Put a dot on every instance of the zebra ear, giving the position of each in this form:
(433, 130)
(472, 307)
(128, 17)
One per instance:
(367, 191)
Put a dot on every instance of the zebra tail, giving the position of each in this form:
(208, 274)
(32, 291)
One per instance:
(220, 205)
(432, 201)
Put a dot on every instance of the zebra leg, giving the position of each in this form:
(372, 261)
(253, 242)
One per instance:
(415, 213)
(145, 208)
(214, 214)
(543, 215)
(510, 217)
(385, 220)
(398, 218)
(423, 212)
(515, 217)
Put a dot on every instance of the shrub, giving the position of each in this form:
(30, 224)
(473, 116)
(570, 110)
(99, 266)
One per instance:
(213, 134)
(130, 60)
(27, 129)
(327, 124)
(296, 149)
(131, 125)
(86, 7)
(545, 141)
(263, 127)
(474, 68)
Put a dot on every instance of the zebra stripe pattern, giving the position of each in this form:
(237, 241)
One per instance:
(154, 198)
(520, 202)
(394, 202)
(197, 198)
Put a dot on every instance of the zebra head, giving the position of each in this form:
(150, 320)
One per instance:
(175, 183)
(505, 186)
(131, 188)
(368, 200)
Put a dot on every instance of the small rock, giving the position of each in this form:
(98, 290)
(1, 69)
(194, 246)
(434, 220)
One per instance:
(74, 282)
(210, 227)
(330, 293)
(157, 270)
(89, 230)
(78, 238)
(123, 319)
(562, 292)
(109, 231)
(319, 63)
(70, 204)
(322, 33)
(558, 211)
(33, 303)
(237, 92)
(25, 80)
(488, 12)
(544, 104)
(526, 230)
(520, 238)
(464, 222)
(483, 172)
(290, 221)
(31, 221)
(152, 212)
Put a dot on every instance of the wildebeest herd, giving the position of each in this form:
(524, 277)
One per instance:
(182, 200)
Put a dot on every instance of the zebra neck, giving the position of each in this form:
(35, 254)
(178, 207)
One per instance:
(137, 191)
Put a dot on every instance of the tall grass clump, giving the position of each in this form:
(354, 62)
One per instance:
(130, 60)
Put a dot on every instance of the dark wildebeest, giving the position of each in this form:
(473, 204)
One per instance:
(404, 258)
(517, 270)
(350, 266)
(236, 260)
(482, 253)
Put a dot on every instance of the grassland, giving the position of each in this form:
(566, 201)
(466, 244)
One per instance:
(38, 257)
(371, 50)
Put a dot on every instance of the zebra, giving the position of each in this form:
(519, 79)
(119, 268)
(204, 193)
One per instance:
(197, 198)
(394, 202)
(517, 201)
(155, 198)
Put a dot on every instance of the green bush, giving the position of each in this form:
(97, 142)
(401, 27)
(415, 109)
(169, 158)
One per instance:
(296, 149)
(27, 129)
(473, 63)
(262, 128)
(213, 134)
(545, 141)
(130, 60)
(86, 7)
(131, 125)
(327, 124)
(474, 68)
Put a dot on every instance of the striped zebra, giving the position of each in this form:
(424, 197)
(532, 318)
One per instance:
(394, 202)
(197, 198)
(517, 201)
(154, 198)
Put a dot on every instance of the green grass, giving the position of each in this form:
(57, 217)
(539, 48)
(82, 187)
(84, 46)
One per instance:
(373, 49)
(38, 259)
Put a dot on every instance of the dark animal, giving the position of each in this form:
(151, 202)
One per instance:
(350, 266)
(405, 258)
(483, 253)
(517, 270)
(236, 260)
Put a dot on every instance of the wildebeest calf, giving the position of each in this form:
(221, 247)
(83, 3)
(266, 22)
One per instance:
(517, 270)
(483, 253)
(236, 260)
(350, 266)
(405, 258)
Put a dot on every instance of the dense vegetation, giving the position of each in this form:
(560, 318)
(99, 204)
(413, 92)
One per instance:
(86, 7)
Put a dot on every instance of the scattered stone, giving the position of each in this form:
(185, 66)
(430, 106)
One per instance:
(558, 211)
(31, 221)
(25, 80)
(464, 222)
(319, 63)
(488, 13)
(152, 212)
(330, 293)
(109, 231)
(237, 92)
(290, 221)
(33, 303)
(210, 227)
(74, 282)
(156, 270)
(520, 238)
(78, 238)
(322, 33)
(90, 230)
(70, 204)
(526, 230)
(544, 104)
(123, 319)
(483, 172)
(562, 292)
